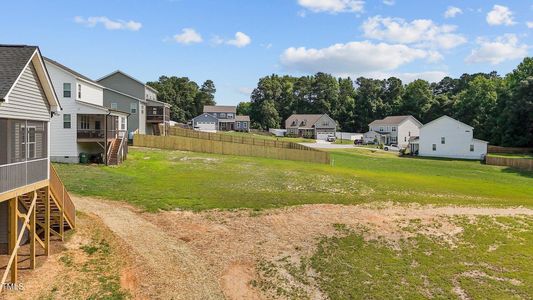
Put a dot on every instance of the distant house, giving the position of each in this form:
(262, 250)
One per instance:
(393, 130)
(319, 126)
(125, 93)
(447, 137)
(221, 118)
(84, 126)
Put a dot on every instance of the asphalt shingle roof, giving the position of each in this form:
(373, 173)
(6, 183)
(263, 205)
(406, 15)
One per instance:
(220, 109)
(242, 118)
(392, 120)
(13, 59)
(301, 121)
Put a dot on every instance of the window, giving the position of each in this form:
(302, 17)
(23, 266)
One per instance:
(381, 129)
(114, 106)
(434, 147)
(133, 108)
(409, 133)
(393, 128)
(237, 124)
(244, 124)
(67, 90)
(84, 122)
(79, 91)
(154, 111)
(471, 148)
(230, 116)
(27, 141)
(31, 142)
(67, 121)
(97, 125)
(443, 140)
(122, 123)
(142, 109)
(405, 139)
(222, 115)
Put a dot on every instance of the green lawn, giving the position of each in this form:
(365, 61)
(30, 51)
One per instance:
(530, 156)
(267, 136)
(159, 179)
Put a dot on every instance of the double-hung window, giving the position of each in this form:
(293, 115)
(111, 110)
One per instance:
(84, 122)
(443, 140)
(79, 91)
(67, 123)
(133, 108)
(67, 90)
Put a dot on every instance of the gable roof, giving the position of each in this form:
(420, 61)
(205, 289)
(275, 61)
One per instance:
(220, 109)
(72, 72)
(206, 115)
(13, 61)
(448, 118)
(297, 119)
(394, 120)
(128, 76)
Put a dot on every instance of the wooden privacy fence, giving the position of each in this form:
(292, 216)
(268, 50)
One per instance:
(519, 163)
(177, 131)
(510, 150)
(222, 147)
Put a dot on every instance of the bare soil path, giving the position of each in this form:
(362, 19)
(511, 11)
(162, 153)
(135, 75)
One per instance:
(170, 268)
(214, 254)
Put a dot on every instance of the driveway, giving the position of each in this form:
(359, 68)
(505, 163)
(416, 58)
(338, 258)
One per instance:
(327, 145)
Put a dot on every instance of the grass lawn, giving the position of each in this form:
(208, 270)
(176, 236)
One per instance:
(530, 156)
(491, 259)
(267, 137)
(159, 179)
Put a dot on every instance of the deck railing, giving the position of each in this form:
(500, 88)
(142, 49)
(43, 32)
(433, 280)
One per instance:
(23, 173)
(62, 196)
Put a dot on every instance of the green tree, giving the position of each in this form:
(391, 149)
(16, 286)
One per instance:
(244, 108)
(417, 100)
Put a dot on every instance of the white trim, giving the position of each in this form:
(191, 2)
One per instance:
(22, 162)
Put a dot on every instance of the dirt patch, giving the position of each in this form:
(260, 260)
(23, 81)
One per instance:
(215, 254)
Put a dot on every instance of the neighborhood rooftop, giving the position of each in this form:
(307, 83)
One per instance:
(220, 108)
(392, 120)
(310, 120)
(242, 118)
(13, 59)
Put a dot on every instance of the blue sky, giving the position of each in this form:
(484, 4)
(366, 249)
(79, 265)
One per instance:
(234, 43)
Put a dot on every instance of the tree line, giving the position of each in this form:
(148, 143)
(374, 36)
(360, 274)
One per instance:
(499, 108)
(186, 98)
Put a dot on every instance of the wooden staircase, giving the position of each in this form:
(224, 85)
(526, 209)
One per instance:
(44, 212)
(117, 151)
(156, 129)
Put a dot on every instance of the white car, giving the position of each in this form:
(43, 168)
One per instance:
(392, 147)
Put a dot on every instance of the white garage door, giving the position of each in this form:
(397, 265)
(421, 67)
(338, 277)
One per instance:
(206, 126)
(324, 135)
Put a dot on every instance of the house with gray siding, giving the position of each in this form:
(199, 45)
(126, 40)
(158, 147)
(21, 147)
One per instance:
(221, 118)
(126, 93)
(27, 104)
(318, 126)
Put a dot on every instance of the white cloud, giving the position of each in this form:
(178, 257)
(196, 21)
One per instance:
(389, 2)
(423, 32)
(529, 25)
(188, 36)
(452, 12)
(500, 15)
(108, 23)
(506, 47)
(352, 58)
(240, 40)
(333, 6)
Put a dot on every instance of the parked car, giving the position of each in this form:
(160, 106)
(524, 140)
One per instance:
(358, 142)
(331, 139)
(392, 147)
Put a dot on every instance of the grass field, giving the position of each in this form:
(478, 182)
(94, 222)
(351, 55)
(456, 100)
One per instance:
(267, 137)
(157, 179)
(417, 257)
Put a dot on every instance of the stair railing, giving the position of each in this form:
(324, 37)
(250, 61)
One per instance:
(61, 195)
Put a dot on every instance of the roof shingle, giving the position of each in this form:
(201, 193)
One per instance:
(13, 59)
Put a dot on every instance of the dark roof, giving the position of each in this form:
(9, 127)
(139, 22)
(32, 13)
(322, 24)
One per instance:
(13, 59)
(393, 120)
(46, 59)
(301, 121)
(220, 109)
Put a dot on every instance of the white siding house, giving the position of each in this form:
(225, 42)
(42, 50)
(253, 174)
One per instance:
(393, 130)
(447, 137)
(84, 125)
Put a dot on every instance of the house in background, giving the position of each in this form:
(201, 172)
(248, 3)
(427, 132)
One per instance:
(318, 127)
(393, 130)
(33, 202)
(221, 118)
(447, 137)
(125, 93)
(84, 126)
